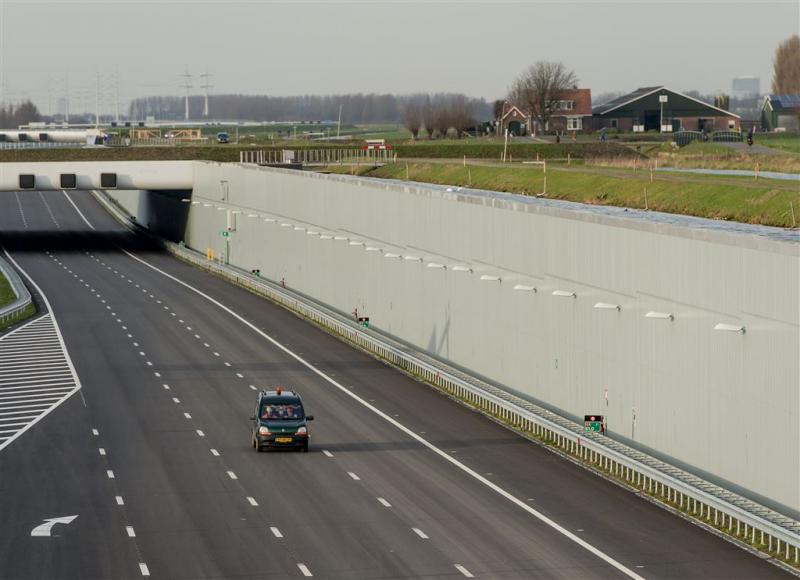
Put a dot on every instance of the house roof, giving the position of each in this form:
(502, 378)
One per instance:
(514, 109)
(784, 102)
(644, 92)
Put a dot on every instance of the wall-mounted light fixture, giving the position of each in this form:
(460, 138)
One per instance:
(461, 269)
(286, 225)
(372, 249)
(412, 258)
(236, 212)
(564, 294)
(608, 306)
(391, 255)
(436, 265)
(355, 243)
(195, 203)
(339, 238)
(299, 229)
(312, 233)
(221, 208)
(207, 204)
(184, 200)
(660, 315)
(730, 328)
(489, 278)
(325, 237)
(524, 288)
(252, 215)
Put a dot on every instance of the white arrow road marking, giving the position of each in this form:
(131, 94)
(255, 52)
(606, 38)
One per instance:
(44, 529)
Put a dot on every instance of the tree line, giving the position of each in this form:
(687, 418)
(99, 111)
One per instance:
(356, 108)
(12, 116)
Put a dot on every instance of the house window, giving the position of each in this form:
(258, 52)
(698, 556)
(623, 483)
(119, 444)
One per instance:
(574, 123)
(566, 105)
(613, 123)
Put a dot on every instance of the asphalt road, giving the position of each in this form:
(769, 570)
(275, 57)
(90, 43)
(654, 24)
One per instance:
(153, 453)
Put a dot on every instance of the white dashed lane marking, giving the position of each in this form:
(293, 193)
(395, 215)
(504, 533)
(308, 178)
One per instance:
(420, 533)
(305, 571)
(276, 532)
(464, 571)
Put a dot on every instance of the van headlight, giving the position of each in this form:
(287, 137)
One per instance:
(302, 431)
(263, 431)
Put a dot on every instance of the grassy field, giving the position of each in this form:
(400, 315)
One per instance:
(789, 143)
(764, 202)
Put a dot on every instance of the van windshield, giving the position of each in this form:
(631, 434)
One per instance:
(276, 412)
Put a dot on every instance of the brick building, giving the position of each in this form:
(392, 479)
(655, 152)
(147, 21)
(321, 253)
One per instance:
(662, 109)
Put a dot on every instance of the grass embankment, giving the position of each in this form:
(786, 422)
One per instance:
(788, 143)
(515, 151)
(7, 295)
(765, 202)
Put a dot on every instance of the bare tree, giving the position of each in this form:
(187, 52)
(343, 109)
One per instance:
(786, 68)
(539, 88)
(412, 118)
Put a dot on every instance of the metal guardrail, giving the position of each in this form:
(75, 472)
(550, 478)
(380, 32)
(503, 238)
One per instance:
(14, 311)
(749, 522)
(37, 145)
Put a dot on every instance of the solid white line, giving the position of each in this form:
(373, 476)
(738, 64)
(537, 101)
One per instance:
(464, 571)
(353, 475)
(384, 503)
(214, 452)
(304, 569)
(232, 475)
(421, 534)
(327, 453)
(410, 432)
(80, 213)
(276, 532)
(129, 530)
(143, 569)
(252, 501)
(120, 501)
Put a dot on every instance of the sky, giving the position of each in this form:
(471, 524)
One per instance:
(53, 48)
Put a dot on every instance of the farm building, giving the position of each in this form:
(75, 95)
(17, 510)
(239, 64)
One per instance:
(573, 113)
(662, 109)
(781, 112)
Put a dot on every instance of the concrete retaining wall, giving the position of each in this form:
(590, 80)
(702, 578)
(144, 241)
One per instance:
(723, 404)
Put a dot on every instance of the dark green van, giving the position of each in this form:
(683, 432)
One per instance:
(280, 421)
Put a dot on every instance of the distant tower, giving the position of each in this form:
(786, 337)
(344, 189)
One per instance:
(188, 86)
(205, 86)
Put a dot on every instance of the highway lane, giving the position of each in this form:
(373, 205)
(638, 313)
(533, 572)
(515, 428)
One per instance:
(192, 519)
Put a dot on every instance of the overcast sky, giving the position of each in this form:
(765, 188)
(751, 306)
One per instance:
(399, 46)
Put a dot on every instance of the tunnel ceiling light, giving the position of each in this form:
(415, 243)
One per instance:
(220, 208)
(436, 265)
(339, 238)
(195, 203)
(186, 200)
(564, 294)
(285, 225)
(608, 306)
(326, 237)
(355, 243)
(373, 249)
(412, 258)
(729, 328)
(252, 215)
(312, 233)
(236, 212)
(299, 229)
(391, 255)
(270, 220)
(489, 278)
(660, 315)
(207, 204)
(461, 269)
(524, 287)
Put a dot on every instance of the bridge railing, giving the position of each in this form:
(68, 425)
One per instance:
(17, 310)
(325, 156)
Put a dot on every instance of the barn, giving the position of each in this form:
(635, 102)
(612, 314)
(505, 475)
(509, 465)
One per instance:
(664, 110)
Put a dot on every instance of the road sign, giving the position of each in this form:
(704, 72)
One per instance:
(45, 528)
(594, 423)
